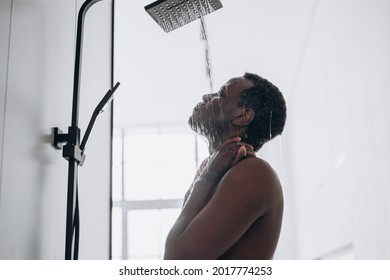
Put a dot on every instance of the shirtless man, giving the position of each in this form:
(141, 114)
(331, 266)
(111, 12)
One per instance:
(234, 207)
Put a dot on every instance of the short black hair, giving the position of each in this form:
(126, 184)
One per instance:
(270, 110)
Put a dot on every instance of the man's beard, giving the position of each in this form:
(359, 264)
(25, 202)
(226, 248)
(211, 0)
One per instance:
(202, 128)
(208, 125)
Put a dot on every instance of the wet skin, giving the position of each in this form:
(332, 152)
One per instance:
(234, 208)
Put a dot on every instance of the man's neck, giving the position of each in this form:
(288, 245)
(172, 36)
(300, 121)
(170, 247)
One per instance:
(216, 144)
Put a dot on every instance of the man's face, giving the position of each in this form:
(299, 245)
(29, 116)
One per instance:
(212, 117)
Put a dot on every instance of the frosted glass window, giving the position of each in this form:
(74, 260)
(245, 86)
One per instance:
(117, 168)
(148, 230)
(158, 166)
(116, 242)
(153, 167)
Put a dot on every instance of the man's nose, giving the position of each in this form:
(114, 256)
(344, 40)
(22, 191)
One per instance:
(207, 97)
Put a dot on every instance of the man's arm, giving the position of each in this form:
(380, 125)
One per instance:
(197, 175)
(208, 227)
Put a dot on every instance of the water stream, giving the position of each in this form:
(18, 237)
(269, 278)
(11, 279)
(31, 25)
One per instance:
(204, 38)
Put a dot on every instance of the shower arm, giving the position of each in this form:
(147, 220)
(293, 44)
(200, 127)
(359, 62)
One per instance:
(72, 150)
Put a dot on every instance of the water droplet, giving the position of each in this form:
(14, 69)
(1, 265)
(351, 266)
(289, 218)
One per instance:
(270, 126)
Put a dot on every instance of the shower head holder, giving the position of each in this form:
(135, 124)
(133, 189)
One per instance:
(69, 144)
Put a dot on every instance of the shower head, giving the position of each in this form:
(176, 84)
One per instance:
(172, 14)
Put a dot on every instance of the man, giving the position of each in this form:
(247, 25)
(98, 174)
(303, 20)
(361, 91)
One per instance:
(234, 207)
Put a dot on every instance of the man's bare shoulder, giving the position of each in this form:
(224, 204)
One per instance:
(254, 180)
(253, 170)
(256, 163)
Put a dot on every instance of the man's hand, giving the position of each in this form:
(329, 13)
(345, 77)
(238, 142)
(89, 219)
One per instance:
(230, 153)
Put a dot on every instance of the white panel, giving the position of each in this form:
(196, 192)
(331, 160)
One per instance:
(5, 16)
(39, 81)
(34, 178)
(339, 130)
(372, 126)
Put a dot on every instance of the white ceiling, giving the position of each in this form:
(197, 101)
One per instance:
(163, 75)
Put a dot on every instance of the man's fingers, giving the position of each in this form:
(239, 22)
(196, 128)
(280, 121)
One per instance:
(241, 153)
(239, 149)
(231, 140)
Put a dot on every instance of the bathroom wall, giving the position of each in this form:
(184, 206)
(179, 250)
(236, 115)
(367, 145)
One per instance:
(338, 133)
(37, 46)
(4, 40)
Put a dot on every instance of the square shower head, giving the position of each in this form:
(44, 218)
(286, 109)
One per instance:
(172, 14)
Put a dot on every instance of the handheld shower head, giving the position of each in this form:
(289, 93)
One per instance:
(172, 14)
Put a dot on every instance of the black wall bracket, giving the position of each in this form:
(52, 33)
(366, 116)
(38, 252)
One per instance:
(71, 150)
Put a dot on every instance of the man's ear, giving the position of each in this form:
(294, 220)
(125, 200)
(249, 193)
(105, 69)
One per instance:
(243, 116)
